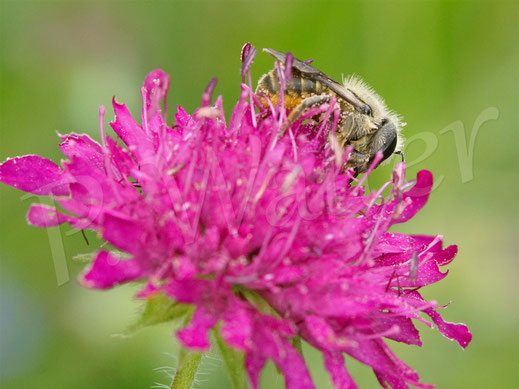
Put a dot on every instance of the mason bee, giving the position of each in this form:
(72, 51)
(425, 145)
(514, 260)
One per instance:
(364, 123)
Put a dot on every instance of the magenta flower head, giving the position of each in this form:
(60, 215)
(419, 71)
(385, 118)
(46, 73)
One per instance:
(266, 239)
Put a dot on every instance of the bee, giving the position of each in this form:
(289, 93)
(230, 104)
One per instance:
(365, 122)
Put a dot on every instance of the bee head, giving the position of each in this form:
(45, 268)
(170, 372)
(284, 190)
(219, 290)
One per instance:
(386, 123)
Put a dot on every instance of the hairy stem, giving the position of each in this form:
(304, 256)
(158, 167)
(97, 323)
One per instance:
(187, 366)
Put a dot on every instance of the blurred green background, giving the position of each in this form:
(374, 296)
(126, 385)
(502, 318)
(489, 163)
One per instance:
(443, 65)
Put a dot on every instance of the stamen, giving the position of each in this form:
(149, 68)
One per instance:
(282, 88)
(219, 105)
(393, 330)
(437, 238)
(413, 267)
(327, 115)
(390, 280)
(165, 106)
(248, 53)
(337, 152)
(102, 125)
(371, 238)
(290, 240)
(378, 195)
(206, 97)
(251, 103)
(144, 94)
(288, 66)
(200, 204)
(190, 173)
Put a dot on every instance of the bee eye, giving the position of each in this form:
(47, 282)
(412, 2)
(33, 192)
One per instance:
(366, 110)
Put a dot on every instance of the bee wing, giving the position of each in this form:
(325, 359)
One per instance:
(348, 95)
(296, 64)
(317, 75)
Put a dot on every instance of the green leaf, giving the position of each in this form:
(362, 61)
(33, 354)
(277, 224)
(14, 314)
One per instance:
(298, 345)
(160, 309)
(255, 299)
(234, 360)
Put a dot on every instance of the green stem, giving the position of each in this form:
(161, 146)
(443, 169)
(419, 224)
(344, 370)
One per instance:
(187, 366)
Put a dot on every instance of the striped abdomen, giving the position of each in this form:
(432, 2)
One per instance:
(298, 88)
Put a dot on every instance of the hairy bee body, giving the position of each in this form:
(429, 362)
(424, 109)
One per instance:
(300, 88)
(364, 123)
(297, 89)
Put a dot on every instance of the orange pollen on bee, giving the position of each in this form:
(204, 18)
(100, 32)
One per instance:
(290, 102)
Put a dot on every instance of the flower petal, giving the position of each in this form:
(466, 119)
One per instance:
(84, 147)
(237, 327)
(108, 271)
(416, 197)
(453, 331)
(196, 334)
(254, 363)
(138, 142)
(44, 216)
(334, 362)
(125, 234)
(34, 174)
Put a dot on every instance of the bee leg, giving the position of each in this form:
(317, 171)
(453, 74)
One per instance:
(401, 153)
(358, 161)
(298, 111)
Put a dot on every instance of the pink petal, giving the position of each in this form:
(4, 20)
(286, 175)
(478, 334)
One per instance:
(138, 142)
(323, 335)
(184, 267)
(417, 196)
(196, 334)
(334, 362)
(34, 174)
(292, 365)
(188, 291)
(237, 327)
(125, 234)
(454, 331)
(44, 216)
(254, 363)
(374, 353)
(270, 343)
(148, 291)
(394, 243)
(445, 256)
(108, 271)
(120, 158)
(182, 118)
(407, 332)
(84, 147)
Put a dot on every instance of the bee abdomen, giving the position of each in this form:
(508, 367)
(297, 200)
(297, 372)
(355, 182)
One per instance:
(268, 83)
(309, 86)
(297, 86)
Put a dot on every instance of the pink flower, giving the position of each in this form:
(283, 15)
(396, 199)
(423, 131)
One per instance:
(212, 213)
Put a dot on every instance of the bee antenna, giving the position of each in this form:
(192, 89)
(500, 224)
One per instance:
(401, 153)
